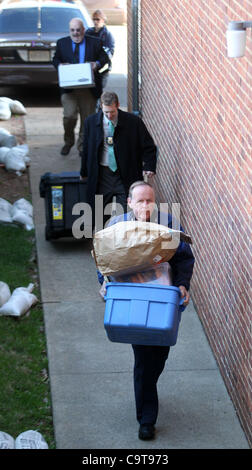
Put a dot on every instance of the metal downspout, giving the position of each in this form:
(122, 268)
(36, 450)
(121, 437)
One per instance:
(136, 76)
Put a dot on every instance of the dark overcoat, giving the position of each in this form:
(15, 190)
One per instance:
(93, 52)
(134, 149)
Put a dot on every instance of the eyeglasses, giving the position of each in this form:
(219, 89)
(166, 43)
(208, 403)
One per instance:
(96, 19)
(78, 30)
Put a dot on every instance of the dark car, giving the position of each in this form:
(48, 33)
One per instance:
(28, 34)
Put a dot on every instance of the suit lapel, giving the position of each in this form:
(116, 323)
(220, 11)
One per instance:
(99, 127)
(87, 50)
(69, 48)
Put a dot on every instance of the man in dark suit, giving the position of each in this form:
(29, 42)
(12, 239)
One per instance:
(150, 360)
(78, 48)
(117, 150)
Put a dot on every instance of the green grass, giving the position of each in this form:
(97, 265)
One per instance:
(24, 388)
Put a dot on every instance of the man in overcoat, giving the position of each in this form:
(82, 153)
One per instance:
(79, 48)
(118, 150)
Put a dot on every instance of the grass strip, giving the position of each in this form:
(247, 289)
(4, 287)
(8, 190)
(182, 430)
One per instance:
(24, 387)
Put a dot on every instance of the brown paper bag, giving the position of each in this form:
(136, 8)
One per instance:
(131, 246)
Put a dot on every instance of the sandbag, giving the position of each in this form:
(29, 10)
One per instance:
(17, 107)
(7, 139)
(133, 245)
(23, 205)
(5, 99)
(5, 293)
(5, 211)
(20, 302)
(3, 153)
(30, 440)
(5, 112)
(16, 159)
(6, 441)
(22, 213)
(9, 106)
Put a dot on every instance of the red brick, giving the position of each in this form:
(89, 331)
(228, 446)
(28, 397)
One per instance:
(196, 103)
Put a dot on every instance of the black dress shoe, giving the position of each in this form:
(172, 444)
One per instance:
(65, 149)
(146, 432)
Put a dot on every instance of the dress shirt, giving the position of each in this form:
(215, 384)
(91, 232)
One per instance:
(105, 154)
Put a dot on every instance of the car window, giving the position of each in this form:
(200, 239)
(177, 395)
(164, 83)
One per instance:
(56, 20)
(22, 20)
(25, 20)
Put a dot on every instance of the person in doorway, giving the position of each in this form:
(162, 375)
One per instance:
(77, 48)
(100, 31)
(117, 150)
(150, 360)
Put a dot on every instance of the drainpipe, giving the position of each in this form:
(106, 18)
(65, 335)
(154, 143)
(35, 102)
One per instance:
(136, 77)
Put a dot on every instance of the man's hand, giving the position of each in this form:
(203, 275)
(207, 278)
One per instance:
(83, 178)
(94, 66)
(148, 174)
(102, 290)
(184, 294)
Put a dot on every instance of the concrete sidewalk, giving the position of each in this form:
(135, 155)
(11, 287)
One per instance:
(91, 378)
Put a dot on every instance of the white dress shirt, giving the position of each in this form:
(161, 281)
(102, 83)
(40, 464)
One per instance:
(104, 161)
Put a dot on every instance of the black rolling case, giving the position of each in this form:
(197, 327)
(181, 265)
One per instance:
(61, 191)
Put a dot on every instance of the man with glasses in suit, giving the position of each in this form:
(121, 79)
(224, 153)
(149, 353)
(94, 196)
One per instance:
(79, 48)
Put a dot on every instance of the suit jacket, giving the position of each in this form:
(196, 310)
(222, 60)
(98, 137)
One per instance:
(93, 52)
(134, 149)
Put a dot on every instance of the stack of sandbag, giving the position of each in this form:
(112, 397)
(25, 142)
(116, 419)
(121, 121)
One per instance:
(9, 107)
(26, 440)
(19, 302)
(20, 213)
(13, 156)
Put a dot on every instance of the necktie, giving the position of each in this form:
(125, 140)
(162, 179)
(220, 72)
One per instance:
(76, 53)
(112, 160)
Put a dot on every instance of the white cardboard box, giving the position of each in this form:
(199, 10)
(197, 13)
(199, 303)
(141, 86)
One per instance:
(76, 75)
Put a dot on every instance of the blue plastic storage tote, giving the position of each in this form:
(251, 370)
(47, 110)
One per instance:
(142, 314)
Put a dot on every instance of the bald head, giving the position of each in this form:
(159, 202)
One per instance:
(76, 29)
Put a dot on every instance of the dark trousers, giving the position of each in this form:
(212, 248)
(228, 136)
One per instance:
(149, 364)
(110, 186)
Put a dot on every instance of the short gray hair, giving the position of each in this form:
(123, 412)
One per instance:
(139, 183)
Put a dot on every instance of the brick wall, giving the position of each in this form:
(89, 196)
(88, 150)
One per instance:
(197, 104)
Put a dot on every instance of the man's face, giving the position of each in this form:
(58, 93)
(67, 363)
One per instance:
(110, 112)
(77, 30)
(142, 202)
(98, 22)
